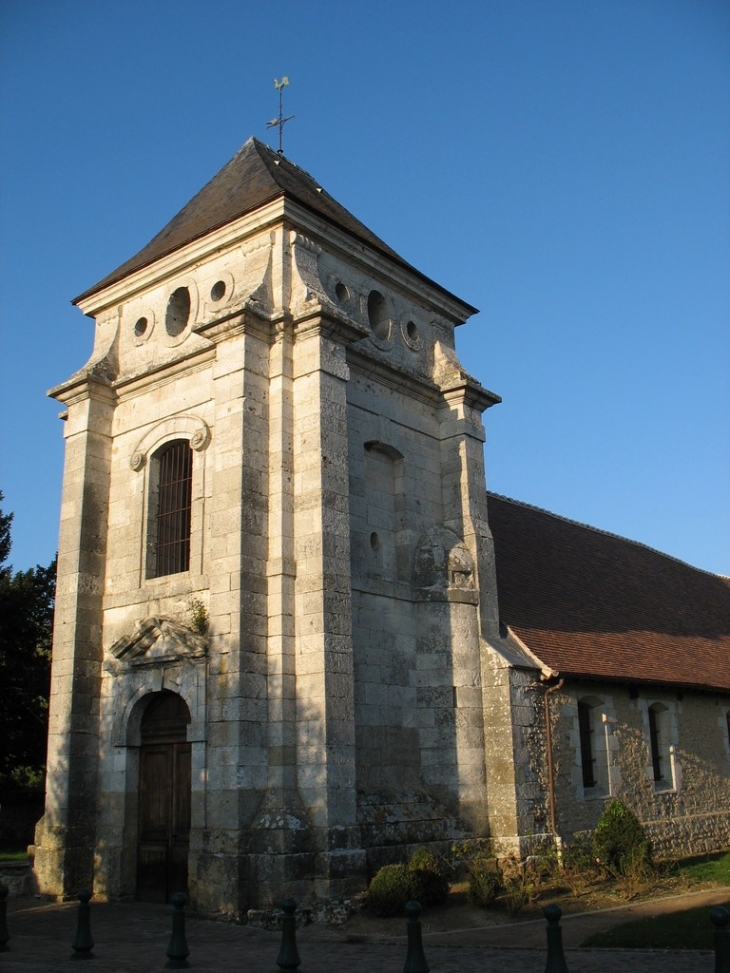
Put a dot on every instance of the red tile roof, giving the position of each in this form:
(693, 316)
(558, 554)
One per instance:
(589, 603)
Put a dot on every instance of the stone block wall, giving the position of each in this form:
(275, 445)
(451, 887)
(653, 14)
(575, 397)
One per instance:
(339, 556)
(685, 813)
(688, 811)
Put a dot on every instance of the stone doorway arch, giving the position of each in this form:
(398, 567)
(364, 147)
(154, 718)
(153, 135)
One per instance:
(163, 841)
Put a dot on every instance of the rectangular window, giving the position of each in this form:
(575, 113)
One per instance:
(585, 727)
(654, 738)
(174, 502)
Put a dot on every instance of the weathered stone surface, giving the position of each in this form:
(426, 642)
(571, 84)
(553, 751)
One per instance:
(335, 632)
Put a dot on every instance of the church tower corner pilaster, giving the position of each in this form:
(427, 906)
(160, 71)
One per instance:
(64, 851)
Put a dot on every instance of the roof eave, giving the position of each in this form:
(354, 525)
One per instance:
(629, 680)
(178, 259)
(279, 206)
(120, 274)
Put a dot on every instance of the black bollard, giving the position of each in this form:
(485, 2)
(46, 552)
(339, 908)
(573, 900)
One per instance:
(4, 937)
(288, 958)
(720, 918)
(177, 951)
(555, 956)
(83, 943)
(415, 957)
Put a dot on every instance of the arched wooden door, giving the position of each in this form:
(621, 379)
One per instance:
(164, 799)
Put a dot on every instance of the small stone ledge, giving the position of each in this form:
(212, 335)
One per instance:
(333, 912)
(18, 877)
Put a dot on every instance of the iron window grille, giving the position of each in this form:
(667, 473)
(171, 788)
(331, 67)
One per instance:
(174, 503)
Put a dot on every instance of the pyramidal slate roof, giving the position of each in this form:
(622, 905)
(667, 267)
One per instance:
(256, 175)
(589, 603)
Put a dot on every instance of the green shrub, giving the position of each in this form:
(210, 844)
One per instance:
(485, 881)
(424, 858)
(620, 844)
(429, 874)
(578, 854)
(637, 874)
(392, 886)
(579, 866)
(522, 880)
(423, 879)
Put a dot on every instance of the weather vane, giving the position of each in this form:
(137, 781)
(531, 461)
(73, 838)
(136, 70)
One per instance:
(280, 122)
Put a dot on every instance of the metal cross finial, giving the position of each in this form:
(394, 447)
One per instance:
(280, 122)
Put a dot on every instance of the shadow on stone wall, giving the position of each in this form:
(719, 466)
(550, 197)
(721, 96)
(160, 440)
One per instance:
(20, 809)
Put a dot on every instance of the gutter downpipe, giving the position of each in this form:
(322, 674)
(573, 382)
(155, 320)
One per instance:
(549, 746)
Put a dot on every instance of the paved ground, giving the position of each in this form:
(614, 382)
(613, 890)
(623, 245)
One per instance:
(133, 938)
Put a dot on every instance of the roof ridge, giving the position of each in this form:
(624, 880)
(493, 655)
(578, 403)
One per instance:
(275, 159)
(271, 155)
(606, 533)
(255, 175)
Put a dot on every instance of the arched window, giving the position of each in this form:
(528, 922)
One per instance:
(383, 509)
(170, 509)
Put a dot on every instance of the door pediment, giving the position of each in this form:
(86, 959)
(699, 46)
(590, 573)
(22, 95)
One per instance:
(157, 639)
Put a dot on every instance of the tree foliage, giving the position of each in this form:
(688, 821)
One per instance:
(26, 625)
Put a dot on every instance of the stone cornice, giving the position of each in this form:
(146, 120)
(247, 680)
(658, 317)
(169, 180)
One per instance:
(292, 216)
(393, 376)
(81, 386)
(320, 320)
(162, 373)
(408, 280)
(470, 393)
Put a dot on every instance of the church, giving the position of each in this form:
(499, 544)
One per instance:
(295, 637)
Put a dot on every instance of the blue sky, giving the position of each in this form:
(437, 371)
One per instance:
(563, 165)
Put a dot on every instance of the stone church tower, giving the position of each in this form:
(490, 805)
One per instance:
(275, 568)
